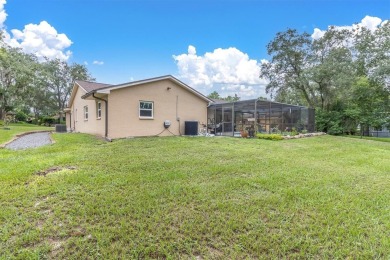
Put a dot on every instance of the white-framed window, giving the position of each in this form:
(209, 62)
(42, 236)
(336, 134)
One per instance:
(85, 113)
(98, 110)
(146, 109)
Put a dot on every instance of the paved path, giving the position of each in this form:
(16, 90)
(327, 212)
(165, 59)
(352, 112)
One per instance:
(30, 141)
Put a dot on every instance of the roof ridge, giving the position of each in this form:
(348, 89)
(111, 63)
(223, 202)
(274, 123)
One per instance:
(148, 80)
(94, 82)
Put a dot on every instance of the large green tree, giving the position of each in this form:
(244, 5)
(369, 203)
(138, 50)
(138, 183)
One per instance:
(372, 51)
(369, 104)
(215, 95)
(61, 77)
(26, 84)
(16, 74)
(331, 71)
(290, 57)
(344, 74)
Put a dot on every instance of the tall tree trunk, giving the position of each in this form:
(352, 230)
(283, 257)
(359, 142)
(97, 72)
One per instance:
(306, 95)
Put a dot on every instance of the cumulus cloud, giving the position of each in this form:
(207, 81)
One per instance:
(369, 22)
(41, 39)
(227, 71)
(3, 14)
(97, 62)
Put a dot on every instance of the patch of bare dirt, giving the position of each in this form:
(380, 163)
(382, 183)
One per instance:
(55, 169)
(56, 246)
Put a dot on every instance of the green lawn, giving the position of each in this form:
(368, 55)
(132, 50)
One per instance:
(178, 197)
(15, 129)
(380, 139)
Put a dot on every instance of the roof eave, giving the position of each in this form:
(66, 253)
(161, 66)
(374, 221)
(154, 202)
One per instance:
(73, 94)
(167, 77)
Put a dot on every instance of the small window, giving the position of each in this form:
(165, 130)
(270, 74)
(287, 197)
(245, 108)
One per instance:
(85, 113)
(146, 109)
(98, 110)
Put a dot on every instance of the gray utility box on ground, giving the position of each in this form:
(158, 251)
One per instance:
(191, 127)
(61, 128)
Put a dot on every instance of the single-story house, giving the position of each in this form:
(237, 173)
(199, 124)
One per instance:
(155, 106)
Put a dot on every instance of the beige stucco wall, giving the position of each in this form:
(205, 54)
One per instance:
(123, 110)
(77, 122)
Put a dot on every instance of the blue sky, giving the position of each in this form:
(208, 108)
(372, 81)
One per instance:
(132, 40)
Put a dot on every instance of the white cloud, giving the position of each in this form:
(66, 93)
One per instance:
(369, 22)
(41, 39)
(3, 14)
(227, 71)
(317, 33)
(97, 62)
(86, 63)
(191, 50)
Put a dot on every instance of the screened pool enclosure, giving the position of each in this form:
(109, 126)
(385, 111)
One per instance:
(258, 116)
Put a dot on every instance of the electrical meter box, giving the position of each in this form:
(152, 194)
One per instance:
(167, 123)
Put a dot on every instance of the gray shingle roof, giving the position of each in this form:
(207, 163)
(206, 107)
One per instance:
(219, 101)
(90, 86)
(97, 86)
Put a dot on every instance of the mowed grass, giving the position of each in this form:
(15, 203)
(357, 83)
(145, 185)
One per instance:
(18, 128)
(182, 197)
(380, 139)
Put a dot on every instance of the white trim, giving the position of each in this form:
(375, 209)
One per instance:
(86, 114)
(139, 109)
(81, 87)
(103, 91)
(98, 109)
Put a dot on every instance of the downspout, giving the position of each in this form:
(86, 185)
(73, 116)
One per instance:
(177, 113)
(106, 114)
(207, 116)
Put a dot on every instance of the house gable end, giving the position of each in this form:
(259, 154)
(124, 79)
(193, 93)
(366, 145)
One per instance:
(76, 87)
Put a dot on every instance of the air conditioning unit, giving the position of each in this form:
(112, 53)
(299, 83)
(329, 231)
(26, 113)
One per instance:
(191, 128)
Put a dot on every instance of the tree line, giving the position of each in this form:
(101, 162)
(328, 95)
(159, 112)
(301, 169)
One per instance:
(30, 86)
(344, 75)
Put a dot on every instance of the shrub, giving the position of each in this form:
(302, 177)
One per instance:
(21, 117)
(48, 121)
(329, 122)
(273, 137)
(335, 130)
(294, 131)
